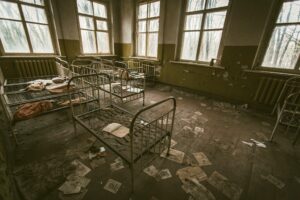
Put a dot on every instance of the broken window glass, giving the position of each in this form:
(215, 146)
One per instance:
(40, 38)
(210, 45)
(102, 42)
(195, 5)
(85, 7)
(190, 45)
(284, 47)
(33, 14)
(88, 41)
(99, 10)
(217, 3)
(102, 25)
(193, 22)
(86, 23)
(13, 38)
(152, 44)
(9, 10)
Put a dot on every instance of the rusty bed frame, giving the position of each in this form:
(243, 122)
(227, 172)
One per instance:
(148, 134)
(13, 94)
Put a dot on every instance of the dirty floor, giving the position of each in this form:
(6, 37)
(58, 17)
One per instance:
(254, 169)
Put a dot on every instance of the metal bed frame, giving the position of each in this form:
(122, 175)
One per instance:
(13, 94)
(126, 86)
(147, 135)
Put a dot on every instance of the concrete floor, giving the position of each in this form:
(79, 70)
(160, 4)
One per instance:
(49, 145)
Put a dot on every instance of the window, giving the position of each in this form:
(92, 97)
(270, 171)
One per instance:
(284, 46)
(94, 27)
(202, 31)
(147, 29)
(24, 27)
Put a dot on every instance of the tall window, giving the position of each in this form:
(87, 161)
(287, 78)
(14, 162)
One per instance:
(202, 31)
(24, 27)
(284, 46)
(94, 27)
(147, 29)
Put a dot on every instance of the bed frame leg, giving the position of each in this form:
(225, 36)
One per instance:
(143, 98)
(274, 130)
(75, 127)
(169, 146)
(132, 178)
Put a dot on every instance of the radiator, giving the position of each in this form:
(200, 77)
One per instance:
(268, 90)
(36, 67)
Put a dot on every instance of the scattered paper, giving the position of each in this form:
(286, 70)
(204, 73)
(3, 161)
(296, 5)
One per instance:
(195, 174)
(117, 165)
(97, 163)
(173, 143)
(198, 113)
(70, 187)
(117, 130)
(112, 186)
(201, 159)
(258, 143)
(80, 168)
(275, 181)
(198, 130)
(164, 174)
(203, 104)
(220, 182)
(77, 196)
(81, 180)
(151, 171)
(174, 155)
(197, 191)
(248, 143)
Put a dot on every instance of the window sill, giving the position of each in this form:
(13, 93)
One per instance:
(144, 58)
(195, 64)
(96, 55)
(32, 56)
(274, 71)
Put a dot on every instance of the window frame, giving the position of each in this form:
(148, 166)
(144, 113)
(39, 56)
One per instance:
(204, 12)
(266, 38)
(51, 25)
(147, 19)
(107, 5)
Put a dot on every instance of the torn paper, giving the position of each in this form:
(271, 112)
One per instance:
(191, 173)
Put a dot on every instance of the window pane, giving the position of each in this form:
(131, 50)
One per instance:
(193, 22)
(290, 12)
(101, 25)
(88, 41)
(152, 44)
(142, 26)
(217, 3)
(194, 5)
(9, 10)
(141, 51)
(13, 37)
(284, 47)
(103, 42)
(85, 7)
(40, 38)
(210, 45)
(190, 44)
(99, 10)
(37, 2)
(154, 25)
(33, 14)
(215, 20)
(154, 9)
(142, 11)
(86, 22)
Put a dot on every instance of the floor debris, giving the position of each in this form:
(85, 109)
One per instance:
(202, 119)
(165, 121)
(195, 174)
(187, 131)
(197, 191)
(70, 187)
(201, 159)
(164, 174)
(258, 143)
(173, 143)
(80, 168)
(151, 171)
(198, 113)
(266, 124)
(275, 181)
(198, 130)
(180, 98)
(95, 163)
(95, 152)
(112, 186)
(220, 182)
(117, 164)
(174, 155)
(248, 143)
(77, 196)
